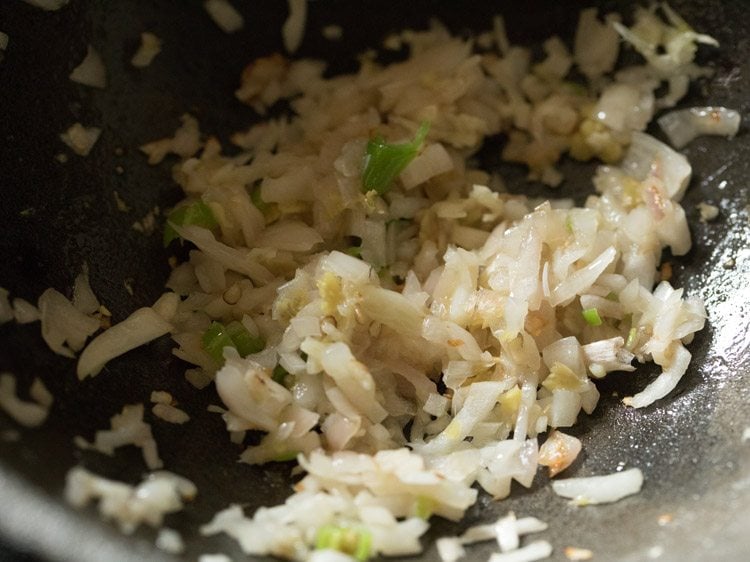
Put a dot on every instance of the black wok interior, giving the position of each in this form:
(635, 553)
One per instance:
(56, 216)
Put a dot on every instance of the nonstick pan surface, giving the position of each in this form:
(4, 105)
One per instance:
(56, 216)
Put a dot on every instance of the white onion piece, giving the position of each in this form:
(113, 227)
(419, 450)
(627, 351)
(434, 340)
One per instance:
(559, 451)
(528, 525)
(170, 414)
(166, 306)
(596, 44)
(24, 312)
(506, 533)
(231, 258)
(161, 397)
(28, 414)
(81, 139)
(290, 236)
(40, 394)
(91, 71)
(450, 549)
(481, 399)
(214, 558)
(664, 383)
(62, 323)
(604, 356)
(600, 489)
(224, 15)
(293, 29)
(537, 550)
(683, 125)
(583, 278)
(127, 428)
(433, 161)
(84, 298)
(646, 156)
(160, 493)
(523, 526)
(137, 329)
(250, 394)
(170, 541)
(150, 47)
(624, 107)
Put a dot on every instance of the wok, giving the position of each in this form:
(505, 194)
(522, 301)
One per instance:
(57, 216)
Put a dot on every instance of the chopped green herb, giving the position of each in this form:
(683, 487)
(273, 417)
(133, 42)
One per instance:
(218, 336)
(215, 339)
(364, 546)
(286, 457)
(194, 214)
(243, 341)
(384, 161)
(329, 536)
(632, 338)
(352, 541)
(257, 200)
(423, 507)
(591, 316)
(569, 225)
(355, 251)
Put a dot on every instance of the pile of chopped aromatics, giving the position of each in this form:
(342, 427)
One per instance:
(385, 313)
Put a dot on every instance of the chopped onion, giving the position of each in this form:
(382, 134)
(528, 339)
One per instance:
(84, 298)
(137, 329)
(170, 541)
(25, 312)
(683, 125)
(28, 414)
(224, 15)
(63, 324)
(159, 493)
(600, 489)
(91, 71)
(596, 44)
(506, 533)
(40, 394)
(289, 235)
(664, 383)
(214, 558)
(624, 107)
(149, 48)
(537, 550)
(170, 413)
(81, 139)
(229, 257)
(575, 553)
(707, 211)
(293, 29)
(647, 155)
(433, 161)
(127, 428)
(559, 451)
(450, 549)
